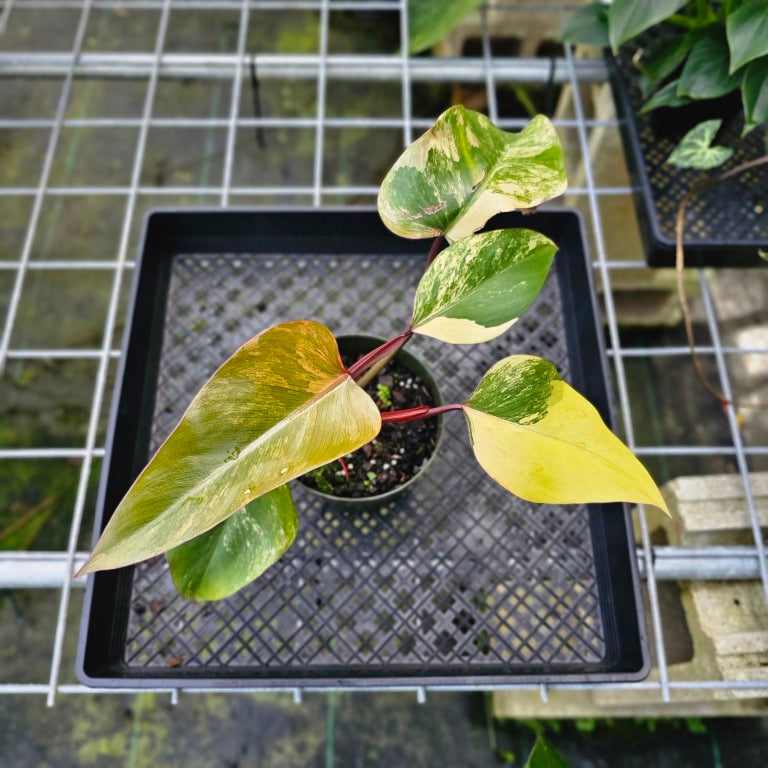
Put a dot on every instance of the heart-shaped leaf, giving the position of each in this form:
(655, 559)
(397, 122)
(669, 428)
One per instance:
(541, 440)
(695, 150)
(628, 18)
(282, 405)
(217, 563)
(747, 29)
(464, 170)
(705, 74)
(429, 21)
(476, 288)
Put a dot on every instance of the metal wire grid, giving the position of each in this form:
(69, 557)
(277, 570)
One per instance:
(52, 569)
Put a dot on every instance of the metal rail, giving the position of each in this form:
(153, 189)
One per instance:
(51, 570)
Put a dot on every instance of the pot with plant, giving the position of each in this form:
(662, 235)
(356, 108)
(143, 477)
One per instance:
(215, 497)
(691, 87)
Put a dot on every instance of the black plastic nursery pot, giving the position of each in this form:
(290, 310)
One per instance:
(454, 583)
(414, 445)
(725, 223)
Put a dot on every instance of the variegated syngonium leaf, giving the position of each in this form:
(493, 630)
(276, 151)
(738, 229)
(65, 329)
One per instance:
(221, 561)
(541, 440)
(476, 288)
(464, 170)
(281, 406)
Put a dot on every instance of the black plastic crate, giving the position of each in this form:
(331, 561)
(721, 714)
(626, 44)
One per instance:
(455, 583)
(726, 223)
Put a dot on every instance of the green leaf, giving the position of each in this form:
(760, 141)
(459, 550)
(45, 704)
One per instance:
(754, 92)
(705, 74)
(282, 405)
(221, 561)
(695, 150)
(476, 289)
(662, 60)
(21, 533)
(544, 755)
(628, 18)
(747, 28)
(763, 254)
(588, 26)
(429, 21)
(541, 440)
(668, 96)
(464, 170)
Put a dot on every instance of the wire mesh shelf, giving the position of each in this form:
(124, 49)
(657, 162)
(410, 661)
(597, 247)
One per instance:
(111, 109)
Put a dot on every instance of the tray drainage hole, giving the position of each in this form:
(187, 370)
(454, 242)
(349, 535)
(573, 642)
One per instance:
(463, 621)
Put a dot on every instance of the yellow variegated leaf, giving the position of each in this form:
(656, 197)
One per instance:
(477, 288)
(282, 405)
(543, 441)
(464, 170)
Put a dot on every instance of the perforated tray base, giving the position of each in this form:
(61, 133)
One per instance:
(455, 582)
(726, 223)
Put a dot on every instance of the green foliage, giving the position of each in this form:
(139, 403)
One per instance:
(708, 49)
(384, 393)
(705, 73)
(747, 30)
(696, 150)
(628, 18)
(429, 21)
(214, 495)
(588, 26)
(544, 755)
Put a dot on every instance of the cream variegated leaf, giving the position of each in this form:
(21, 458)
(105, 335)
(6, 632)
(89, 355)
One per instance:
(281, 406)
(464, 170)
(543, 441)
(477, 288)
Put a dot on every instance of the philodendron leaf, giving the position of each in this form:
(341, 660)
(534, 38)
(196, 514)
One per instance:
(664, 58)
(667, 96)
(282, 405)
(217, 563)
(705, 74)
(628, 18)
(464, 170)
(541, 440)
(747, 30)
(476, 288)
(429, 21)
(754, 92)
(587, 26)
(695, 150)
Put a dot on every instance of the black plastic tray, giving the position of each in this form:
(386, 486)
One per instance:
(725, 224)
(455, 583)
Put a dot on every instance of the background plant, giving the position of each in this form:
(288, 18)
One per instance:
(214, 496)
(710, 49)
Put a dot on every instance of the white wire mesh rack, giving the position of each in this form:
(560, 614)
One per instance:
(104, 77)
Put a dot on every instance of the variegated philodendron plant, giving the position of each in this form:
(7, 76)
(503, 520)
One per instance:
(214, 496)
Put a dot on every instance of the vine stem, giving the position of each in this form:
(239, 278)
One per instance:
(417, 413)
(679, 266)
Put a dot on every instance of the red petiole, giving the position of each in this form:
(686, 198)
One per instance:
(420, 412)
